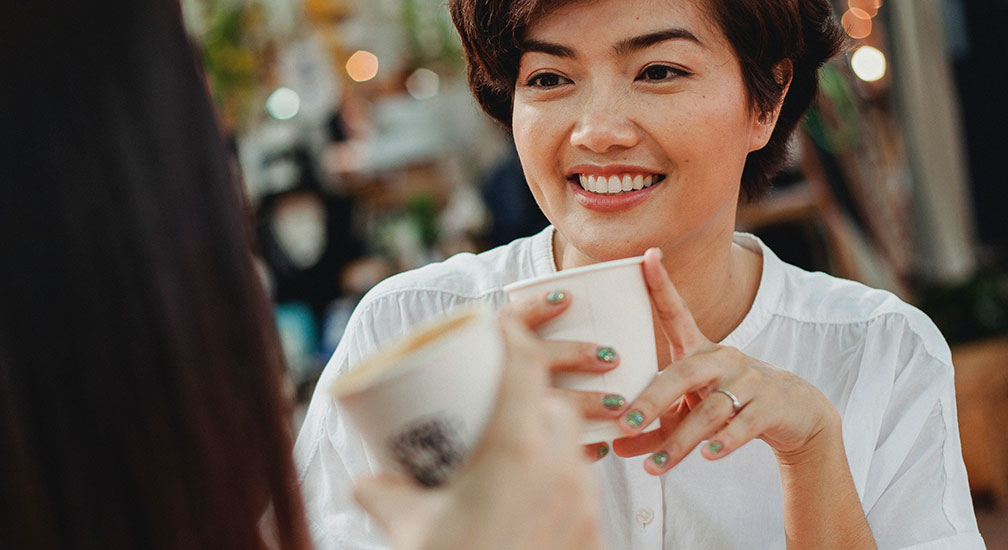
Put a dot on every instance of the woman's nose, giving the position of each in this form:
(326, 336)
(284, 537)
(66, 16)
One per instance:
(604, 126)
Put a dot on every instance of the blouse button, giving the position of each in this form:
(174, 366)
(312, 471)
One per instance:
(644, 516)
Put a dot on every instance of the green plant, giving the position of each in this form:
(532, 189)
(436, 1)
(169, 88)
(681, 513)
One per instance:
(236, 51)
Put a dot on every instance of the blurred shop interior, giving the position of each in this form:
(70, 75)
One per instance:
(363, 155)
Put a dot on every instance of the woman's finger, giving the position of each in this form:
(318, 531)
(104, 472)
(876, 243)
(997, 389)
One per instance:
(403, 510)
(649, 442)
(744, 427)
(708, 418)
(593, 405)
(535, 310)
(674, 317)
(596, 451)
(568, 356)
(691, 374)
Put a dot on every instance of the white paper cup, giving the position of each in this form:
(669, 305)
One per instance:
(609, 307)
(422, 402)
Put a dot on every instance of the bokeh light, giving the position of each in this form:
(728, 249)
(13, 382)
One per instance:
(868, 63)
(870, 7)
(362, 66)
(283, 104)
(423, 83)
(857, 23)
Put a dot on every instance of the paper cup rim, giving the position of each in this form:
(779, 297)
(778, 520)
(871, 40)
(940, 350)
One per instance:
(574, 271)
(341, 388)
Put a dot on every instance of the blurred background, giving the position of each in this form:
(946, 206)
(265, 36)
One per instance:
(363, 154)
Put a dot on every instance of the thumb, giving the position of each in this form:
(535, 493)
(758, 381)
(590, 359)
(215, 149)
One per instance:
(402, 509)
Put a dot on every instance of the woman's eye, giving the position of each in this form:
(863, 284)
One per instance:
(547, 80)
(660, 72)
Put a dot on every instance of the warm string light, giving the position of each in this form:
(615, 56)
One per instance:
(868, 63)
(857, 20)
(857, 23)
(870, 7)
(362, 66)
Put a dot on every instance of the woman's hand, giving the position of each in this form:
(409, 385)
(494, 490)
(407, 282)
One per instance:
(774, 405)
(567, 356)
(526, 486)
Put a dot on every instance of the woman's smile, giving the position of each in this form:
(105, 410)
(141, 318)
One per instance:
(612, 188)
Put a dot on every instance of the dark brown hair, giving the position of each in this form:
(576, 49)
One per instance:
(763, 33)
(140, 373)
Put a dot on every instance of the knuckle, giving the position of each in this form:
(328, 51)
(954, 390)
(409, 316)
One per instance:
(646, 405)
(709, 414)
(691, 373)
(741, 426)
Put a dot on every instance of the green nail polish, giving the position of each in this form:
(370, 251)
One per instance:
(634, 418)
(556, 297)
(660, 459)
(606, 354)
(613, 402)
(603, 450)
(715, 446)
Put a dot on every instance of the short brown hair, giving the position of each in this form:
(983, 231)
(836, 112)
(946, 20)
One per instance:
(762, 33)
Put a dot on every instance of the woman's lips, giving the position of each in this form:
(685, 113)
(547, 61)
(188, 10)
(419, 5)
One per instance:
(614, 192)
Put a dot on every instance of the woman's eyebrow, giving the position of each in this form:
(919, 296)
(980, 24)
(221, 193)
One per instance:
(645, 40)
(548, 48)
(624, 46)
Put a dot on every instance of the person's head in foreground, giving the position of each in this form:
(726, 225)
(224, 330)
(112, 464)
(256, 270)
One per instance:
(140, 376)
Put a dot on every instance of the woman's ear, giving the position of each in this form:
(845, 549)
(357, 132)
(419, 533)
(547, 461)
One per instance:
(766, 121)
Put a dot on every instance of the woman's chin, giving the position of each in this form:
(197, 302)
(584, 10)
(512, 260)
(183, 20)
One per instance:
(583, 249)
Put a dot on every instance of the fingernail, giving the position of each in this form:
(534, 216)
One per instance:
(634, 418)
(715, 446)
(603, 450)
(556, 297)
(660, 459)
(613, 401)
(606, 354)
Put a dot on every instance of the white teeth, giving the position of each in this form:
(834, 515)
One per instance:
(614, 184)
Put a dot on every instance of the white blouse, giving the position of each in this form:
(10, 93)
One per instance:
(881, 362)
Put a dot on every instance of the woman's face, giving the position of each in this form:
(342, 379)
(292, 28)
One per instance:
(633, 125)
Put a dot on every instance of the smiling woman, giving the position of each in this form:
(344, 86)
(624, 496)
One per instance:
(640, 125)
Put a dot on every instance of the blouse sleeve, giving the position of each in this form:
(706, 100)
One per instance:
(916, 496)
(329, 454)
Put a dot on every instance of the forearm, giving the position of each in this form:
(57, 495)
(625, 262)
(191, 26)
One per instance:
(821, 506)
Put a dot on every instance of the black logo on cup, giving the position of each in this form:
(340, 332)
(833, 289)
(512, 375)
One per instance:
(428, 449)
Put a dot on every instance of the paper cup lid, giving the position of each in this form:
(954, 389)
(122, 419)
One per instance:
(573, 272)
(416, 343)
